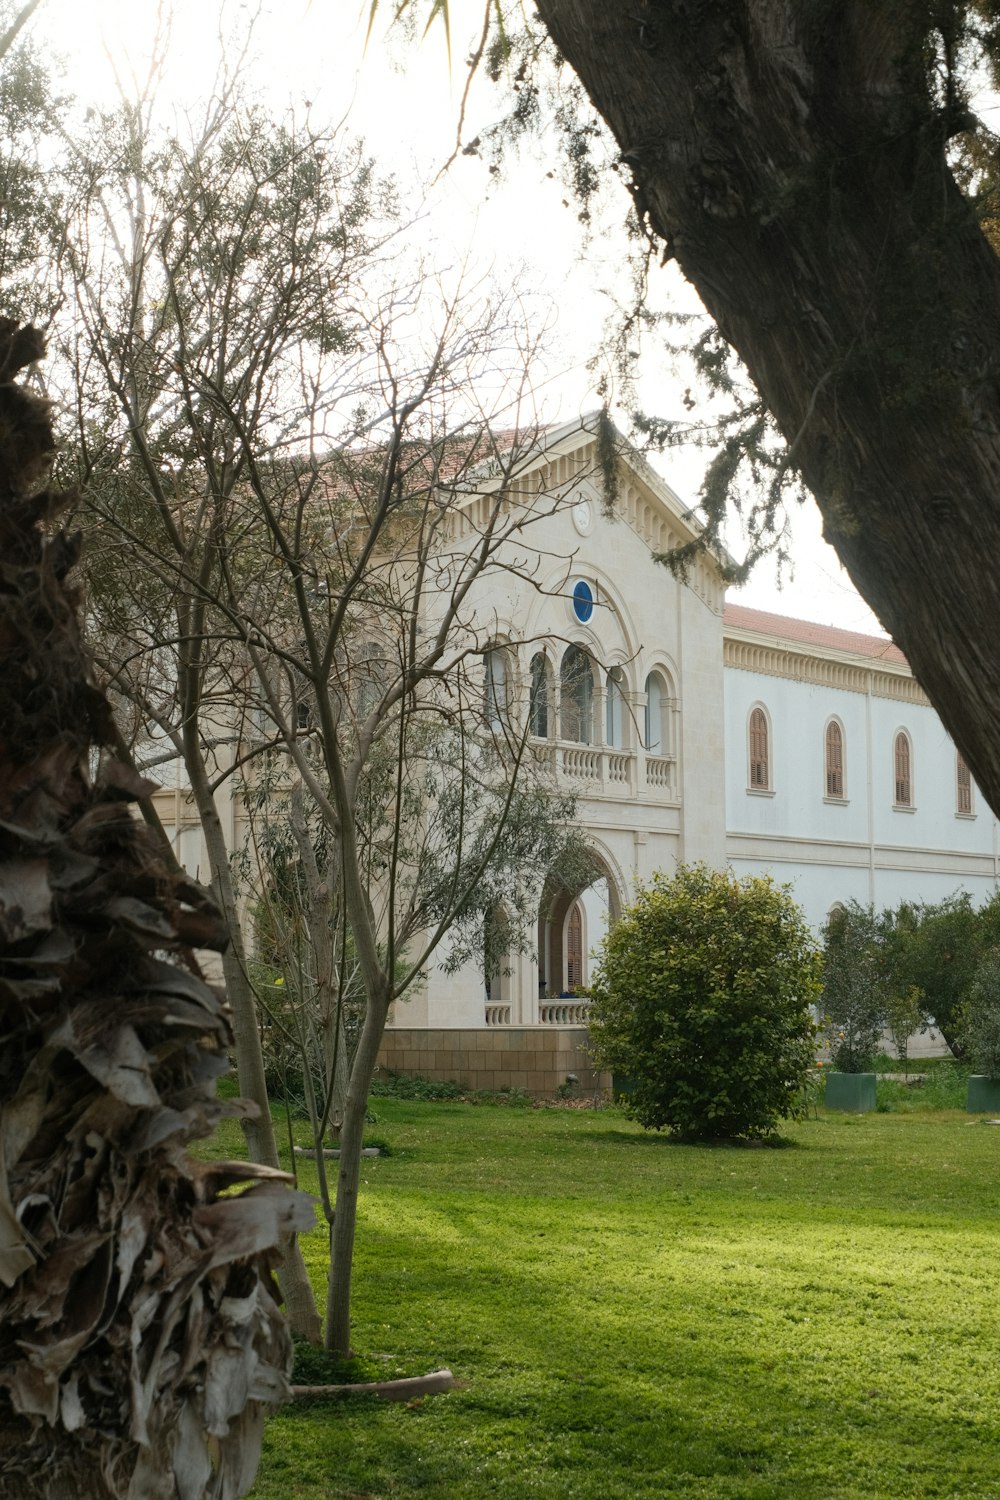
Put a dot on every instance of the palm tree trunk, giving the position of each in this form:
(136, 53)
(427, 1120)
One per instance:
(140, 1335)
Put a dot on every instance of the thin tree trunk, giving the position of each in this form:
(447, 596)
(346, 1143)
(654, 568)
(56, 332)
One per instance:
(262, 1145)
(345, 1215)
(792, 158)
(259, 1131)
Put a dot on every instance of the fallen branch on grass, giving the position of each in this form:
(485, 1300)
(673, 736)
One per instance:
(389, 1390)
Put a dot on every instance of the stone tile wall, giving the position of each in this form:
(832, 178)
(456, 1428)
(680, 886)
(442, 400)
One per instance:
(536, 1058)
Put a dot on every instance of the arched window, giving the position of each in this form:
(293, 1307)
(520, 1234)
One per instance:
(576, 694)
(496, 957)
(963, 786)
(574, 947)
(538, 706)
(494, 687)
(834, 753)
(902, 766)
(760, 751)
(653, 734)
(614, 715)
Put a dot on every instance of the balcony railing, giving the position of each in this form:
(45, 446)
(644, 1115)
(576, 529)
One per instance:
(550, 1013)
(610, 770)
(660, 773)
(563, 1012)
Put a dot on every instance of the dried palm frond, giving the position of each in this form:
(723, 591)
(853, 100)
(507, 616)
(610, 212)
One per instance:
(140, 1337)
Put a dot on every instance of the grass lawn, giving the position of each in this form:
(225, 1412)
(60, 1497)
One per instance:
(631, 1318)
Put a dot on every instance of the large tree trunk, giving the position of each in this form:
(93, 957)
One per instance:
(790, 155)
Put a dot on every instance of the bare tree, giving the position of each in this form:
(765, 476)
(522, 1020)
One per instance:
(202, 272)
(296, 487)
(396, 719)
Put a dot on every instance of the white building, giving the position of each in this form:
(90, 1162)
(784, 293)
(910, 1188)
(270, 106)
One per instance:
(691, 730)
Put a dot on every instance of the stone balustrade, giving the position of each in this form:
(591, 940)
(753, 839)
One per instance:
(563, 1012)
(608, 770)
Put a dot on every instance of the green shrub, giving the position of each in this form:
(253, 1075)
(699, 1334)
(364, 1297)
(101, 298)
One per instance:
(403, 1086)
(702, 998)
(944, 1086)
(979, 1018)
(437, 1090)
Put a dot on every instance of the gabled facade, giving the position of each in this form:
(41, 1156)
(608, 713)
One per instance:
(706, 732)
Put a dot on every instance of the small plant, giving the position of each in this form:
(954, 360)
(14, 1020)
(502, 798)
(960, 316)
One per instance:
(403, 1086)
(441, 1091)
(810, 1096)
(979, 1018)
(854, 989)
(904, 1014)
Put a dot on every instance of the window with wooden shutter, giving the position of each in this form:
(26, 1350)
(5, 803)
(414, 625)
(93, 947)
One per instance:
(834, 760)
(760, 769)
(904, 784)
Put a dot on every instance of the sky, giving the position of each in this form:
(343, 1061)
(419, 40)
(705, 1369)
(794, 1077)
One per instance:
(404, 99)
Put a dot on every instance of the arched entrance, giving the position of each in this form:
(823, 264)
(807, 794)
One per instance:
(573, 916)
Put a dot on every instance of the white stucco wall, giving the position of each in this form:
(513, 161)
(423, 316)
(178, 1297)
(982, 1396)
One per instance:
(864, 847)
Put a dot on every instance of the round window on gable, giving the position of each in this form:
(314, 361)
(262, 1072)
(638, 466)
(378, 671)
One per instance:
(583, 600)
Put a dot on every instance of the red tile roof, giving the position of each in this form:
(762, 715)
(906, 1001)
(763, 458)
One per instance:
(740, 617)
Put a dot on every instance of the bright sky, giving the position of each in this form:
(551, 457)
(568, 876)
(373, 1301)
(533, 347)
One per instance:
(404, 102)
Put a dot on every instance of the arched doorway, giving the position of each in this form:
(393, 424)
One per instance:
(573, 915)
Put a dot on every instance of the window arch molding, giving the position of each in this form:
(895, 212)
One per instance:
(499, 683)
(611, 635)
(659, 735)
(902, 765)
(834, 760)
(760, 749)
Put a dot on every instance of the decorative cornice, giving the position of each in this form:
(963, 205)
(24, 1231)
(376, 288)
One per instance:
(833, 669)
(853, 854)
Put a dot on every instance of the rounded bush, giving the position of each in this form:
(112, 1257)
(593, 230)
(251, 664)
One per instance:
(702, 998)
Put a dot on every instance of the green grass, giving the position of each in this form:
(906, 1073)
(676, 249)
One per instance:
(631, 1318)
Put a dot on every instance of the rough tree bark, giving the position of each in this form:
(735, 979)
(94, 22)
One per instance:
(140, 1338)
(791, 154)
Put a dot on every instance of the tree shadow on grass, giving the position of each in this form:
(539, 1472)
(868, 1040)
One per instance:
(721, 1143)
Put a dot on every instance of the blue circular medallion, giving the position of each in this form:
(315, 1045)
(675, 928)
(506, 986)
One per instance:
(583, 601)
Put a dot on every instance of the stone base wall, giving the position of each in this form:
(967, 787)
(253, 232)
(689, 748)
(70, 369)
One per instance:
(536, 1058)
